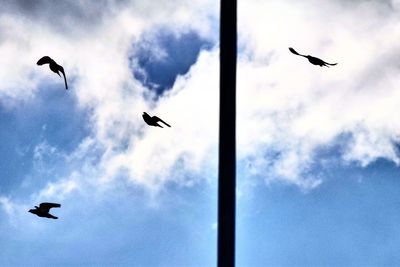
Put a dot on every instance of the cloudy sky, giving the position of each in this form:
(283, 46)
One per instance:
(318, 148)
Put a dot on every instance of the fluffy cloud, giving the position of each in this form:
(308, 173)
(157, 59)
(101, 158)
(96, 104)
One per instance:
(288, 110)
(295, 108)
(97, 57)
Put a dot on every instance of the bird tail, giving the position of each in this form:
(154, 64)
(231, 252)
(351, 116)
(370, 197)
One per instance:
(165, 123)
(65, 78)
(328, 64)
(66, 85)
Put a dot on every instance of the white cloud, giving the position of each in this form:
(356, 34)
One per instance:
(155, 155)
(97, 67)
(291, 107)
(13, 210)
(6, 205)
(287, 108)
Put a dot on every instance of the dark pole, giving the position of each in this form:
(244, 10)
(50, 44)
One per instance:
(227, 135)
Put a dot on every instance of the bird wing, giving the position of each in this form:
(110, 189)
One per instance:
(294, 52)
(44, 60)
(65, 78)
(158, 119)
(46, 206)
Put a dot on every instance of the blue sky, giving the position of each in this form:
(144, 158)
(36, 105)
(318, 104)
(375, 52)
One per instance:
(318, 157)
(349, 220)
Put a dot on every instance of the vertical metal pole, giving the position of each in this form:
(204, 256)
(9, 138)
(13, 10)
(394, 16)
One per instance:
(227, 135)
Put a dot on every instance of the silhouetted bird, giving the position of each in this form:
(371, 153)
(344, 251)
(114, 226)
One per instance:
(43, 210)
(313, 60)
(54, 67)
(153, 121)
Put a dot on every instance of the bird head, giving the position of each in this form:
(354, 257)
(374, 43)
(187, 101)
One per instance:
(32, 211)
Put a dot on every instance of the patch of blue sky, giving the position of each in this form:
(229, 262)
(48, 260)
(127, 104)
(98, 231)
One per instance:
(51, 118)
(175, 229)
(158, 68)
(350, 219)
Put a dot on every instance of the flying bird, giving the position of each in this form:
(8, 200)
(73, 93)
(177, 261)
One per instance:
(153, 121)
(54, 67)
(313, 60)
(43, 210)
